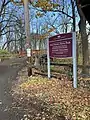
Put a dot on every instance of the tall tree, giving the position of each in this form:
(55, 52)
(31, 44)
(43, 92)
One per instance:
(84, 37)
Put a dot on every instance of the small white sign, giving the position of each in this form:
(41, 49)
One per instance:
(28, 52)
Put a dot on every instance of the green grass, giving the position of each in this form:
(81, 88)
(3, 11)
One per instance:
(4, 55)
(4, 52)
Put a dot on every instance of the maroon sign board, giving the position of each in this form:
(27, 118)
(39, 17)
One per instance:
(60, 46)
(63, 46)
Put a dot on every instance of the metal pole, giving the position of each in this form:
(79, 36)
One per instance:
(48, 59)
(27, 32)
(74, 61)
(75, 46)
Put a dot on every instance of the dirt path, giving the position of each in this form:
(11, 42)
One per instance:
(8, 72)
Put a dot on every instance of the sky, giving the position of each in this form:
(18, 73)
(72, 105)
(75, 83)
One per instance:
(55, 19)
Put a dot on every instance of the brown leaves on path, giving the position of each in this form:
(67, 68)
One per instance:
(44, 99)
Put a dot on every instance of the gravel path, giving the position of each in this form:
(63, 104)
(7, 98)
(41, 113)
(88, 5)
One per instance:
(8, 73)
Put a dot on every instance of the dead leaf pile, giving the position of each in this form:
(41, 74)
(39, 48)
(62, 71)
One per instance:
(43, 99)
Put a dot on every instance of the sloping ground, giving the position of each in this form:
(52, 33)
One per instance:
(42, 99)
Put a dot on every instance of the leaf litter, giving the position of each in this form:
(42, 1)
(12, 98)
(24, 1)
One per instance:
(54, 99)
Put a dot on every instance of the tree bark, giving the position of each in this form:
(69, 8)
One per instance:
(27, 31)
(84, 46)
(84, 37)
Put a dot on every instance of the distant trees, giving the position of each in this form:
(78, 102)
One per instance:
(60, 6)
(4, 17)
(48, 17)
(11, 25)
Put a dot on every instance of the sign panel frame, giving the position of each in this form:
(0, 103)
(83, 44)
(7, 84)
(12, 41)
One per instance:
(63, 38)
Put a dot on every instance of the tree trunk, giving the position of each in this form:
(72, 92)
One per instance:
(73, 14)
(84, 37)
(15, 45)
(37, 64)
(84, 46)
(27, 31)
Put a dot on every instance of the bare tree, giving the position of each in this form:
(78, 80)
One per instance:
(84, 37)
(3, 14)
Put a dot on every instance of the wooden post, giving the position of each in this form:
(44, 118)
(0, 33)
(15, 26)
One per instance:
(27, 31)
